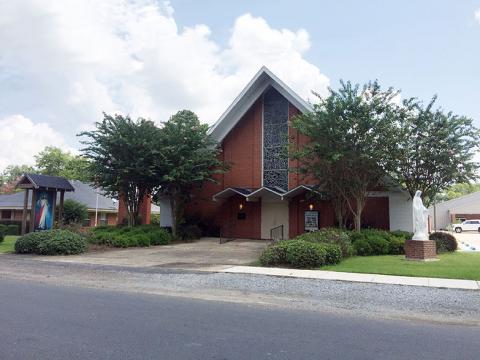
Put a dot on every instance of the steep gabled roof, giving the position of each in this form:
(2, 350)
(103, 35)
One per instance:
(244, 101)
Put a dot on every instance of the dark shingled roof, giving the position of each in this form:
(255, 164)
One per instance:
(44, 181)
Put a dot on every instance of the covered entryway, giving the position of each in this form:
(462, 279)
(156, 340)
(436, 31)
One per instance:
(274, 216)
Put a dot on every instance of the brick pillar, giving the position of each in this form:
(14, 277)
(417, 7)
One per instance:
(420, 250)
(145, 209)
(122, 210)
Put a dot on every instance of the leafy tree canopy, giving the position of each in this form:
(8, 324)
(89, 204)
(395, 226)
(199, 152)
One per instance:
(56, 162)
(434, 149)
(458, 190)
(349, 133)
(124, 156)
(189, 157)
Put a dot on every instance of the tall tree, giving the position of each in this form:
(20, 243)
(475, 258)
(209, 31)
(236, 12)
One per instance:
(348, 133)
(9, 176)
(189, 157)
(433, 149)
(56, 162)
(457, 190)
(123, 157)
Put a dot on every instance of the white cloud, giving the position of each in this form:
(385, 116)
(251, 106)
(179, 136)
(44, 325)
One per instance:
(64, 62)
(477, 15)
(20, 139)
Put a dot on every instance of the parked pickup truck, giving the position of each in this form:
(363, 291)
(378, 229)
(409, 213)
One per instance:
(467, 225)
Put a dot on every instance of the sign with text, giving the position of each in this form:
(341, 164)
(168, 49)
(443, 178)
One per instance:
(311, 220)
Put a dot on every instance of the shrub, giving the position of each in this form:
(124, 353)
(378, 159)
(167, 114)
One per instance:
(62, 242)
(11, 229)
(445, 241)
(378, 242)
(300, 254)
(28, 243)
(304, 254)
(2, 235)
(143, 235)
(74, 212)
(274, 255)
(331, 236)
(51, 242)
(405, 235)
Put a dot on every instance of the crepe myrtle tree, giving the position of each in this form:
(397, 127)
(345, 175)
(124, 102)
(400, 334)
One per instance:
(189, 157)
(349, 132)
(433, 149)
(123, 156)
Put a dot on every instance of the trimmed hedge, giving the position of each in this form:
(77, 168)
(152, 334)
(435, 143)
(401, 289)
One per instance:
(51, 242)
(10, 229)
(445, 242)
(301, 254)
(143, 235)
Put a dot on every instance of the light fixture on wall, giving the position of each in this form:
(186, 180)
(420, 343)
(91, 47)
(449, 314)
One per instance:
(240, 207)
(310, 206)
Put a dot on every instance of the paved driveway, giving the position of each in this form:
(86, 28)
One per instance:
(205, 253)
(467, 241)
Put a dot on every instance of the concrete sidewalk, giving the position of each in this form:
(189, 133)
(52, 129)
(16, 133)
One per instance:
(357, 277)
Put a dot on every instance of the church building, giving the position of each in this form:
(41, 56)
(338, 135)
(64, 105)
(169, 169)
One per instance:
(259, 198)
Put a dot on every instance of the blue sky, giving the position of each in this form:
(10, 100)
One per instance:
(421, 47)
(64, 62)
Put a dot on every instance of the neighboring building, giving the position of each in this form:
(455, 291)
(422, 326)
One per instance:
(11, 205)
(453, 211)
(259, 193)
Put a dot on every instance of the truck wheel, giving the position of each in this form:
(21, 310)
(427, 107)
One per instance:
(458, 229)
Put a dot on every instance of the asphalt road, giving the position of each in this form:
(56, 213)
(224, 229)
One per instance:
(45, 321)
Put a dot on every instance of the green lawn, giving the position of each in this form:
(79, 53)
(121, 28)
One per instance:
(6, 246)
(451, 266)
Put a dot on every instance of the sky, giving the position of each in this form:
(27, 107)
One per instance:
(64, 62)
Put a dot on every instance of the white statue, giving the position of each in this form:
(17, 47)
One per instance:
(420, 218)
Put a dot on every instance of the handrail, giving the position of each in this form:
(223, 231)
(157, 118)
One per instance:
(276, 233)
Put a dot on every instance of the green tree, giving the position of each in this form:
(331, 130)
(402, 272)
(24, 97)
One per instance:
(56, 162)
(433, 149)
(189, 157)
(349, 133)
(11, 174)
(74, 212)
(457, 190)
(124, 156)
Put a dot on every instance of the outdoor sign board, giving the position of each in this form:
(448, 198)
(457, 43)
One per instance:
(44, 208)
(311, 220)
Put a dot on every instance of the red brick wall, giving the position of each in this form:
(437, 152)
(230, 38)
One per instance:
(297, 207)
(242, 148)
(297, 140)
(248, 228)
(143, 211)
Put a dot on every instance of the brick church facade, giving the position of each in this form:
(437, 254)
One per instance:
(259, 193)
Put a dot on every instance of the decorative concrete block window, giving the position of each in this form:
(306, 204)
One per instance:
(275, 139)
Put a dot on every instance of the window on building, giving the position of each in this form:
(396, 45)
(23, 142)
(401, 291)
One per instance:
(103, 219)
(6, 214)
(275, 140)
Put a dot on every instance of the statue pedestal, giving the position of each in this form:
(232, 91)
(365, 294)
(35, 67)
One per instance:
(419, 250)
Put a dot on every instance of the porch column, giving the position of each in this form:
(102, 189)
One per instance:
(24, 212)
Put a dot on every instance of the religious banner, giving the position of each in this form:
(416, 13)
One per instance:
(311, 220)
(44, 208)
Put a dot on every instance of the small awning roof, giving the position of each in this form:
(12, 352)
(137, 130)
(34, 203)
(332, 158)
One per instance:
(229, 192)
(299, 190)
(266, 191)
(36, 181)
